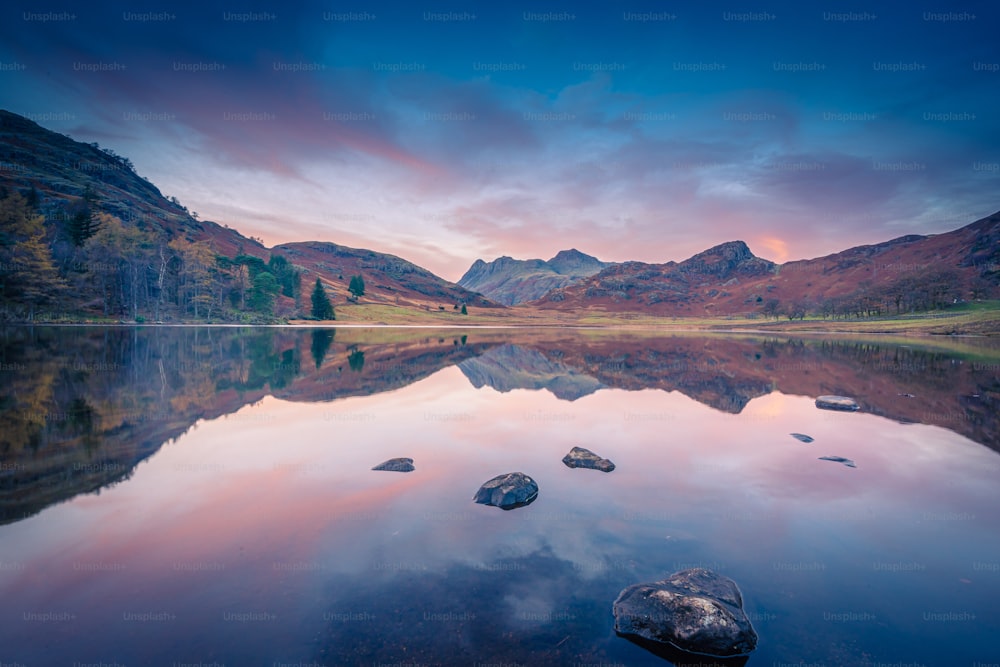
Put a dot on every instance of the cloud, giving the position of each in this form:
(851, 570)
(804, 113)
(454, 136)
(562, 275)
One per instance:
(300, 127)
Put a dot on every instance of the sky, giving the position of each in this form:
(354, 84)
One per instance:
(446, 132)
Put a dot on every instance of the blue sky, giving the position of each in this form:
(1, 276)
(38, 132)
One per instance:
(450, 131)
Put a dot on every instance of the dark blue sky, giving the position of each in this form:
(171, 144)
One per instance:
(450, 131)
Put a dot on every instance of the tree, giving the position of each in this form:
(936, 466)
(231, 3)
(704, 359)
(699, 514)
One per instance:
(197, 276)
(34, 198)
(241, 284)
(356, 360)
(321, 340)
(119, 259)
(772, 308)
(321, 307)
(465, 311)
(265, 287)
(84, 221)
(287, 275)
(28, 277)
(356, 286)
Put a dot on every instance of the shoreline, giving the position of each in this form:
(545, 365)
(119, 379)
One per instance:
(915, 330)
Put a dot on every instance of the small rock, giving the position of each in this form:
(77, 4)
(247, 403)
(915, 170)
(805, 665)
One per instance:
(579, 457)
(803, 437)
(839, 459)
(396, 465)
(837, 403)
(694, 610)
(515, 489)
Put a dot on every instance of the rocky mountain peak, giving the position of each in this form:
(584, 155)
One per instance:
(726, 258)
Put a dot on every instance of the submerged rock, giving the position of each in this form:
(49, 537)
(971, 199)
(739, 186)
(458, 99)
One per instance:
(579, 457)
(839, 459)
(803, 437)
(515, 489)
(837, 403)
(396, 465)
(696, 610)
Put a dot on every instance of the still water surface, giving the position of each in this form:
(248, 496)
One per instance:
(178, 496)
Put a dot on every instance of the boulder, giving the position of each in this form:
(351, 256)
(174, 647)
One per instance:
(396, 465)
(837, 403)
(696, 610)
(515, 489)
(579, 457)
(839, 459)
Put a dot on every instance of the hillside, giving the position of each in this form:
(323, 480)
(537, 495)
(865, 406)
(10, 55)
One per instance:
(512, 281)
(110, 246)
(60, 170)
(909, 274)
(388, 279)
(161, 262)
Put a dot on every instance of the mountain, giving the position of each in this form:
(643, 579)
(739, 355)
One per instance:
(512, 281)
(911, 273)
(61, 169)
(510, 367)
(665, 287)
(388, 279)
(162, 263)
(64, 179)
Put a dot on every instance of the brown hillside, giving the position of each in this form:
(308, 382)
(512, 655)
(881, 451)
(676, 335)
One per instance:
(729, 280)
(60, 169)
(388, 279)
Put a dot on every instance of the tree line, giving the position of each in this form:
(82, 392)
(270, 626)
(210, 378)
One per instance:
(89, 261)
(908, 293)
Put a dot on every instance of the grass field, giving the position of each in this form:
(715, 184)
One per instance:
(979, 318)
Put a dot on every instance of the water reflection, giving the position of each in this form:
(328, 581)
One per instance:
(258, 532)
(81, 407)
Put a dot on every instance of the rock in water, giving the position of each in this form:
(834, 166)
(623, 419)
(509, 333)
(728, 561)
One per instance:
(837, 403)
(695, 610)
(839, 459)
(803, 437)
(515, 489)
(396, 465)
(579, 457)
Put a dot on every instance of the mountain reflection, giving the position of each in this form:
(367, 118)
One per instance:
(81, 407)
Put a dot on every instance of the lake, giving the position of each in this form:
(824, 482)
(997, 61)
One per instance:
(204, 495)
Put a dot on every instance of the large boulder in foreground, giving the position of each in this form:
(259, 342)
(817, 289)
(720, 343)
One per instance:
(695, 610)
(837, 403)
(402, 464)
(579, 457)
(515, 489)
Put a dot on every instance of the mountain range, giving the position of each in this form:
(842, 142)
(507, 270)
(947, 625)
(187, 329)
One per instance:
(512, 281)
(902, 275)
(907, 274)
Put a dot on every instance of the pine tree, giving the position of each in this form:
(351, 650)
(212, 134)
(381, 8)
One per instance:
(265, 288)
(465, 311)
(321, 340)
(84, 222)
(356, 286)
(321, 307)
(356, 360)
